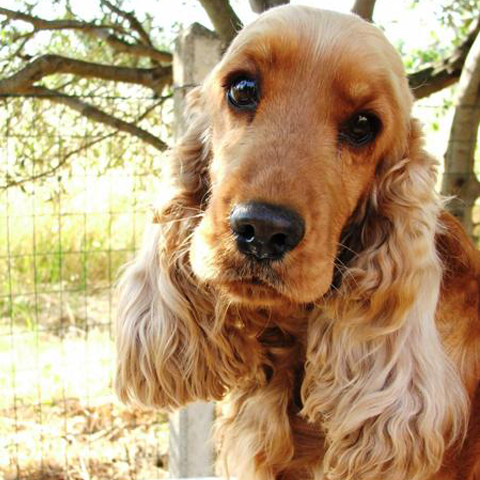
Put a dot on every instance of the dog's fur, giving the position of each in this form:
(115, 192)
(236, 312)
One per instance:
(357, 356)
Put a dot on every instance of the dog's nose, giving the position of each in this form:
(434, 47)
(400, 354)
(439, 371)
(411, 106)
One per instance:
(266, 231)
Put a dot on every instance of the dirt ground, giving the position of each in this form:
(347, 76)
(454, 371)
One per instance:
(59, 418)
(78, 442)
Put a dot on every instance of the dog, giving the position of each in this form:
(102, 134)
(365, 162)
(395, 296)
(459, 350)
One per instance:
(304, 267)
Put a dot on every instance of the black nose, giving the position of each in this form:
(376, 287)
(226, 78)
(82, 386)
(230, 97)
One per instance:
(266, 231)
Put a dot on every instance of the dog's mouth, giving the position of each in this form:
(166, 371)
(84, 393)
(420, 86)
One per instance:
(253, 293)
(251, 283)
(256, 281)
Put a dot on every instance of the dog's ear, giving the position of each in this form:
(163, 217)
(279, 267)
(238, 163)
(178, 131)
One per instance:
(173, 346)
(377, 377)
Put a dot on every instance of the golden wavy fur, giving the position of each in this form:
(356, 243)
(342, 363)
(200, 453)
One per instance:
(354, 356)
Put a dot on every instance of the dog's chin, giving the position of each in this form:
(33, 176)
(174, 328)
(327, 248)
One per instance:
(253, 293)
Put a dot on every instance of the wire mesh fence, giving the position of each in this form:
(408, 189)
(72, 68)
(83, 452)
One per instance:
(66, 228)
(63, 239)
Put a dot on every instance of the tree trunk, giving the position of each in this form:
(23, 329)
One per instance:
(259, 6)
(223, 18)
(364, 8)
(459, 178)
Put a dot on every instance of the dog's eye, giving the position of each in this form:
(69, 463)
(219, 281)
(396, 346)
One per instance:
(360, 129)
(243, 93)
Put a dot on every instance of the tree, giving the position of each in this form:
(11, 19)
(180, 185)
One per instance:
(364, 8)
(89, 60)
(26, 80)
(116, 51)
(459, 178)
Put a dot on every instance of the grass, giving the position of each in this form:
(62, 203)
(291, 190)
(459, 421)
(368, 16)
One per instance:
(70, 242)
(58, 415)
(79, 442)
(60, 252)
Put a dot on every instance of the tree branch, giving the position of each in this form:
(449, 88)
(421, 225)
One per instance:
(136, 49)
(364, 9)
(49, 172)
(100, 31)
(155, 78)
(132, 19)
(96, 115)
(260, 6)
(224, 19)
(42, 24)
(58, 166)
(437, 77)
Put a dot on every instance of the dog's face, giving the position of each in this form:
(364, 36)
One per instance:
(303, 112)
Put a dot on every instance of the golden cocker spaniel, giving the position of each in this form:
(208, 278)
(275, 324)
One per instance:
(304, 266)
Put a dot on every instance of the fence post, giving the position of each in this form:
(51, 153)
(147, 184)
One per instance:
(197, 50)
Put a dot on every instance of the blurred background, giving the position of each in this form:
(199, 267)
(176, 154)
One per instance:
(86, 111)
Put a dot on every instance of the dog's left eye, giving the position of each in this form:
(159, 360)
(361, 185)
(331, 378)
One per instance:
(360, 129)
(242, 93)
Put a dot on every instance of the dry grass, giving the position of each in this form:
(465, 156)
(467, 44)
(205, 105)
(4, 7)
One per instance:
(60, 251)
(58, 415)
(75, 441)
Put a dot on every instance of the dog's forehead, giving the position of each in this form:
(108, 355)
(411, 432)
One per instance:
(311, 43)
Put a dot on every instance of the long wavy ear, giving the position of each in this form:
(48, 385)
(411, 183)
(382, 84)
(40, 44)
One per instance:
(170, 347)
(377, 378)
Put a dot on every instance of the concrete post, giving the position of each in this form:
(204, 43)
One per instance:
(191, 449)
(197, 50)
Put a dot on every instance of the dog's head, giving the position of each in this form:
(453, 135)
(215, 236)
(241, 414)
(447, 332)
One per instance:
(299, 117)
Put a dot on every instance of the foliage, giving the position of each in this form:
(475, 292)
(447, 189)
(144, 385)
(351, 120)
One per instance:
(454, 20)
(50, 146)
(64, 143)
(455, 14)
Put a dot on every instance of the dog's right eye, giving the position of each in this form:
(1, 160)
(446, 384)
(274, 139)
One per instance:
(243, 94)
(360, 129)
